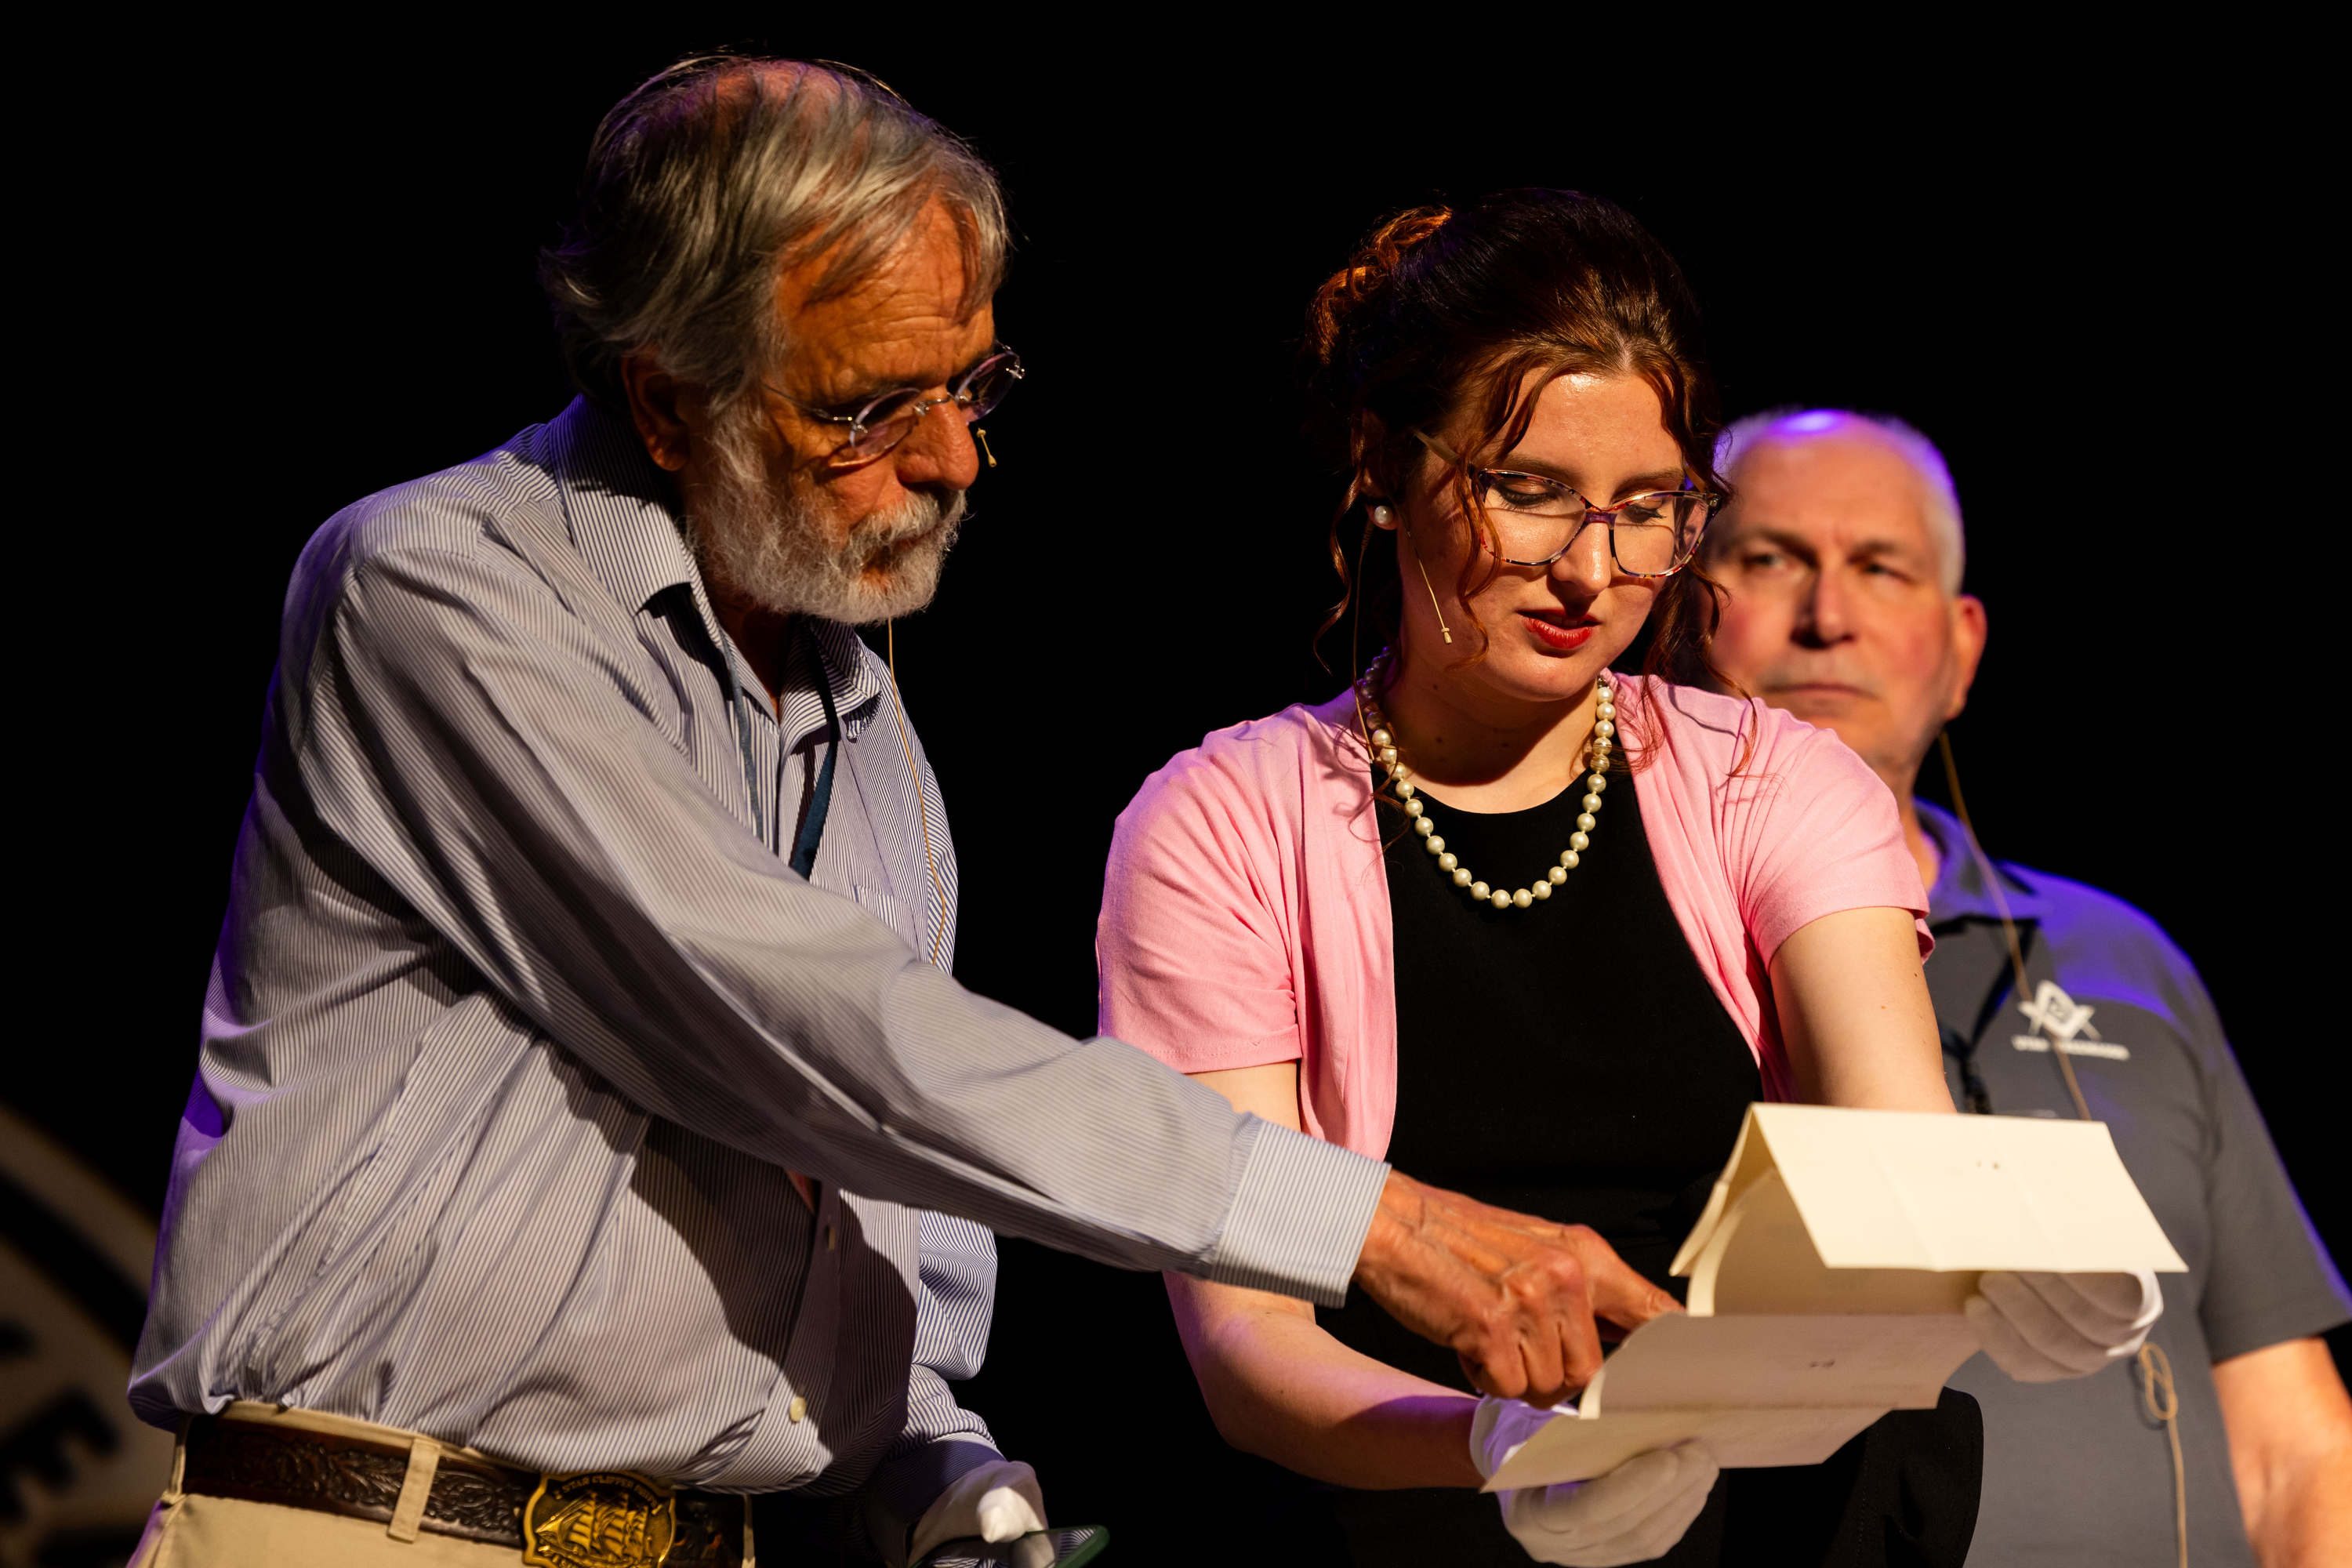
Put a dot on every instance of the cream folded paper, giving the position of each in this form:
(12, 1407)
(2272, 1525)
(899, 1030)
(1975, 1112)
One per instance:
(1828, 1276)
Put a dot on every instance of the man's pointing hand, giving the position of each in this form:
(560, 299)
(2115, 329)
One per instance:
(1514, 1296)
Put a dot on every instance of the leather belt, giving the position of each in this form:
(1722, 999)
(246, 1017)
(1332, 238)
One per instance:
(575, 1522)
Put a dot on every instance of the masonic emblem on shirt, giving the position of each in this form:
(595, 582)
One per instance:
(2056, 1017)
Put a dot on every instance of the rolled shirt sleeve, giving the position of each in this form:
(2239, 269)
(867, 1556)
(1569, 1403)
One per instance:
(956, 1286)
(2269, 1279)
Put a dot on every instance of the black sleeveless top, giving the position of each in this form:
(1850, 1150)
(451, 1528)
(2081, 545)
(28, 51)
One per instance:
(1568, 1059)
(1571, 1060)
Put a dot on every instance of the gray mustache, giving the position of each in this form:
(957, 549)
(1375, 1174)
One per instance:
(920, 514)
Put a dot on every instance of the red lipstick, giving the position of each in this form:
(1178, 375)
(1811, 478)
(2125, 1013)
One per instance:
(1552, 635)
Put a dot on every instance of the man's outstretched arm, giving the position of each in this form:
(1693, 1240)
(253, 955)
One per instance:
(465, 722)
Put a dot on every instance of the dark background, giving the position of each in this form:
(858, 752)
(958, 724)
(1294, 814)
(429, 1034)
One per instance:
(274, 274)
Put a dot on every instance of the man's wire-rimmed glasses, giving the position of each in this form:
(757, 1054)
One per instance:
(888, 419)
(1535, 518)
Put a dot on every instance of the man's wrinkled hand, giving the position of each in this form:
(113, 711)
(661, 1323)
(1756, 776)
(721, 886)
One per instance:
(1514, 1296)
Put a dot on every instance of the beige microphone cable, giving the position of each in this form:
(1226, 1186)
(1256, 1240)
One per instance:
(2156, 1390)
(1425, 583)
(2163, 1401)
(2008, 926)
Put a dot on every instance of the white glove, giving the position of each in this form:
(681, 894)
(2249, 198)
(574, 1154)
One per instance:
(996, 1502)
(2042, 1328)
(1633, 1513)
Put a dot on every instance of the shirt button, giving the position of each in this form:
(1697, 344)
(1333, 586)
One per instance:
(798, 1409)
(829, 1240)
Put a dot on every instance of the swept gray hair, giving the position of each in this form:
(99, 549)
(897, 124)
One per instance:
(1943, 502)
(706, 182)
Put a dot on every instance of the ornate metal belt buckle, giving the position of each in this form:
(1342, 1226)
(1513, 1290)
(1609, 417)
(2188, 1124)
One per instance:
(598, 1519)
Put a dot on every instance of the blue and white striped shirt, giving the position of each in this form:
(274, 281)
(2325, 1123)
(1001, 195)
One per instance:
(516, 1026)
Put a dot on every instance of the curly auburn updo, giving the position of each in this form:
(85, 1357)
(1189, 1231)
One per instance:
(1437, 320)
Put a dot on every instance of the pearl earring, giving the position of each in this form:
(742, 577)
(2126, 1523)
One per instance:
(1379, 517)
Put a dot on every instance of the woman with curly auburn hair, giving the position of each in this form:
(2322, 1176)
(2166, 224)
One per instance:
(1500, 914)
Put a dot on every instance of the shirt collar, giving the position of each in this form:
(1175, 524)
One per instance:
(1961, 891)
(624, 520)
(849, 670)
(625, 525)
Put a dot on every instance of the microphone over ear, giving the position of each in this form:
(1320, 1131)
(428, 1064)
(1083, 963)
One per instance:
(1384, 518)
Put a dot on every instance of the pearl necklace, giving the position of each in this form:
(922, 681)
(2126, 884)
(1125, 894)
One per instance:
(1384, 749)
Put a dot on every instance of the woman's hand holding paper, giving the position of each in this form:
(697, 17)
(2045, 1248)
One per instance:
(2045, 1328)
(1635, 1512)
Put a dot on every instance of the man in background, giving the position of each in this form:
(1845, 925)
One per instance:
(1842, 553)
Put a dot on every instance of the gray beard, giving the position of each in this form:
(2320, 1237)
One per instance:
(766, 544)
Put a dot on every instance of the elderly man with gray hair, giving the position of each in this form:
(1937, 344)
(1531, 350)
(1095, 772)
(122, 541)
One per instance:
(582, 1092)
(2229, 1438)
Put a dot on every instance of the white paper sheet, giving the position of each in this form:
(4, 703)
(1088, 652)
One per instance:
(1828, 1277)
(1573, 1450)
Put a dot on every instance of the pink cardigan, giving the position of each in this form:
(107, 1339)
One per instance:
(1245, 909)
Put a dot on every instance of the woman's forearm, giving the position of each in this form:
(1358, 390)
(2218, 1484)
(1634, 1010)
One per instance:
(1280, 1387)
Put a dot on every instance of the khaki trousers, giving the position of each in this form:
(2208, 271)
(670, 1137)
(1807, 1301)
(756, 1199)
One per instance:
(189, 1529)
(192, 1531)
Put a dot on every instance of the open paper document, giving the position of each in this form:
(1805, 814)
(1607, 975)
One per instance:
(1828, 1277)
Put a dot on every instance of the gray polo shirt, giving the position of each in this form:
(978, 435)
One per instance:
(2078, 1472)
